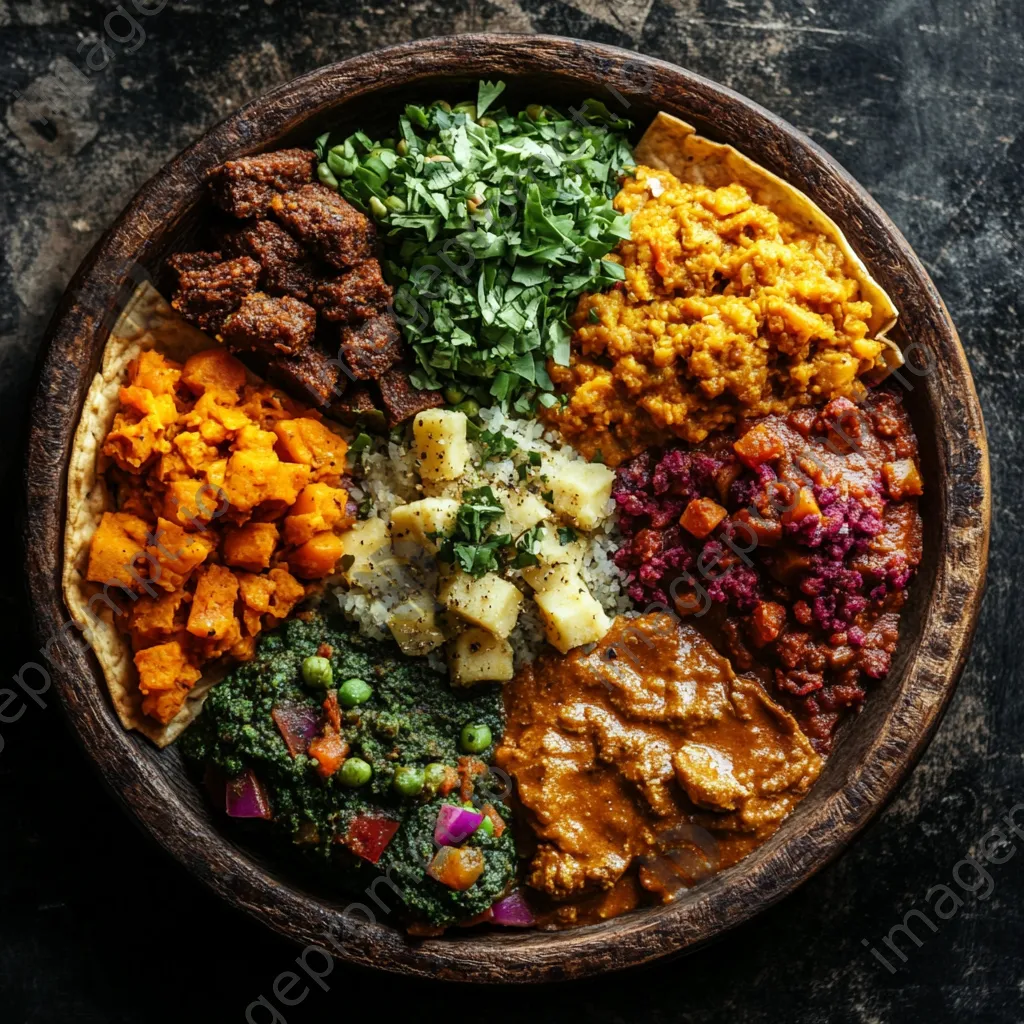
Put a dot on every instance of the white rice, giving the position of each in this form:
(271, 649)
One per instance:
(389, 479)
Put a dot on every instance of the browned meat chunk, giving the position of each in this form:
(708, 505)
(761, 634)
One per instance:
(311, 375)
(265, 323)
(357, 403)
(209, 293)
(286, 270)
(401, 399)
(332, 229)
(371, 348)
(193, 260)
(360, 294)
(244, 188)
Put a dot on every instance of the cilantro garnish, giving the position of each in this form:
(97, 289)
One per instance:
(527, 547)
(495, 445)
(469, 547)
(494, 223)
(566, 535)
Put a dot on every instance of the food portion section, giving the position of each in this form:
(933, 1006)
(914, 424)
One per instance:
(641, 762)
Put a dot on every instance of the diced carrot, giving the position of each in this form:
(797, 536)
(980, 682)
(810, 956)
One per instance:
(701, 516)
(450, 780)
(330, 751)
(213, 606)
(903, 479)
(802, 506)
(457, 867)
(251, 546)
(118, 542)
(317, 557)
(766, 622)
(213, 369)
(759, 444)
(165, 678)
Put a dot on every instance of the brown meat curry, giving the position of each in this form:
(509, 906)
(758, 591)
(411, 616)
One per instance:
(644, 763)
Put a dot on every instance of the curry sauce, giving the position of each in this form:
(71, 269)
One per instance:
(643, 763)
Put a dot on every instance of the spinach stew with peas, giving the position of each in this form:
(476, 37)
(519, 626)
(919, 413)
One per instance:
(369, 762)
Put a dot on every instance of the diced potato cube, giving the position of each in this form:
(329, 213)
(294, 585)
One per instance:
(477, 656)
(414, 626)
(361, 543)
(547, 577)
(489, 601)
(571, 616)
(412, 524)
(551, 550)
(441, 445)
(581, 491)
(523, 512)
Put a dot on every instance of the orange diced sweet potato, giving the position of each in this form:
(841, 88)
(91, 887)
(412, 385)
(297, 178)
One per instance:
(195, 451)
(250, 547)
(318, 508)
(165, 678)
(118, 542)
(759, 444)
(903, 479)
(177, 552)
(317, 557)
(288, 591)
(157, 618)
(803, 505)
(701, 516)
(214, 370)
(257, 475)
(766, 622)
(133, 441)
(457, 867)
(155, 372)
(144, 402)
(310, 442)
(213, 606)
(252, 436)
(191, 502)
(257, 591)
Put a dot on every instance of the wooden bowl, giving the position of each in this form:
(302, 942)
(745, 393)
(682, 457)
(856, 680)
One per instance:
(876, 750)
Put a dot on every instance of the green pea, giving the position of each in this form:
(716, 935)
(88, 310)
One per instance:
(395, 203)
(408, 781)
(454, 395)
(433, 775)
(355, 772)
(323, 172)
(317, 671)
(353, 692)
(475, 738)
(379, 209)
(470, 407)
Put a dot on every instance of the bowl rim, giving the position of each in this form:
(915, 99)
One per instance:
(775, 869)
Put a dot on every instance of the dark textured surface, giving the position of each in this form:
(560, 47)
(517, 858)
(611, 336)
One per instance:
(921, 102)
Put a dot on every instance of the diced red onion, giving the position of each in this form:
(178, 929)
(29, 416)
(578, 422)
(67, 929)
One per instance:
(454, 824)
(246, 798)
(297, 723)
(513, 911)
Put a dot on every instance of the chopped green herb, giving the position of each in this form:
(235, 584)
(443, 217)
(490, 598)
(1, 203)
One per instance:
(534, 458)
(365, 508)
(549, 497)
(566, 535)
(593, 315)
(359, 445)
(522, 471)
(495, 445)
(468, 546)
(597, 457)
(493, 226)
(527, 547)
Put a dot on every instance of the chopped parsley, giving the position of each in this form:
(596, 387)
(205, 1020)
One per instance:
(566, 535)
(527, 547)
(494, 223)
(495, 445)
(469, 547)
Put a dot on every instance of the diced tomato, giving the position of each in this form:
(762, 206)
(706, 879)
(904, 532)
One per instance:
(368, 836)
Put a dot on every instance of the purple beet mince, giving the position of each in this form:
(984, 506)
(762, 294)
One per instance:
(801, 534)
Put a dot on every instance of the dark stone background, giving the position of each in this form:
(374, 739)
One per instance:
(922, 101)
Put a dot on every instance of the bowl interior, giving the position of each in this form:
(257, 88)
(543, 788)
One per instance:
(873, 751)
